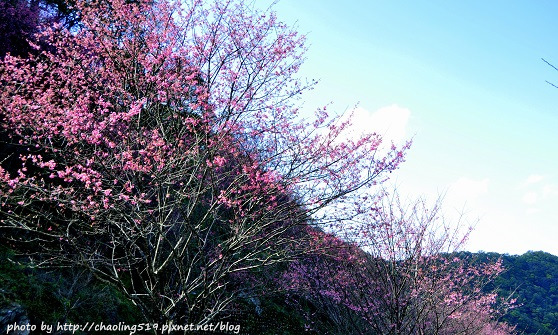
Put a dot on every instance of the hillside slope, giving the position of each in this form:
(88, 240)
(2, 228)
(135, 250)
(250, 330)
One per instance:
(531, 278)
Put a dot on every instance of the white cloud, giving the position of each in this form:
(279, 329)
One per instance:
(532, 210)
(530, 198)
(467, 190)
(537, 192)
(390, 122)
(549, 190)
(533, 179)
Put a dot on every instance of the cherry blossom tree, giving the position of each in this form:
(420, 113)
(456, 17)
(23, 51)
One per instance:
(397, 272)
(161, 148)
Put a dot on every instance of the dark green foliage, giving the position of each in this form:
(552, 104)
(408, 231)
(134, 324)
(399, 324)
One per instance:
(71, 296)
(74, 296)
(269, 316)
(66, 295)
(532, 279)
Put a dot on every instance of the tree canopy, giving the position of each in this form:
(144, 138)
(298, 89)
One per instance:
(158, 146)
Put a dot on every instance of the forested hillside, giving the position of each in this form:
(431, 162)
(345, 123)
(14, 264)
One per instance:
(51, 296)
(531, 278)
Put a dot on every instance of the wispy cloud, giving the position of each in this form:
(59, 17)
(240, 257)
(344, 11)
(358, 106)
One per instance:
(390, 122)
(532, 179)
(536, 192)
(530, 198)
(466, 189)
(549, 190)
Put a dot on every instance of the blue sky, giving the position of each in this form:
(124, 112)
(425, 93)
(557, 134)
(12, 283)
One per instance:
(466, 81)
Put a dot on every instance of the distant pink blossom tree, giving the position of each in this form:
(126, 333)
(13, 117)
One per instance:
(163, 150)
(396, 271)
